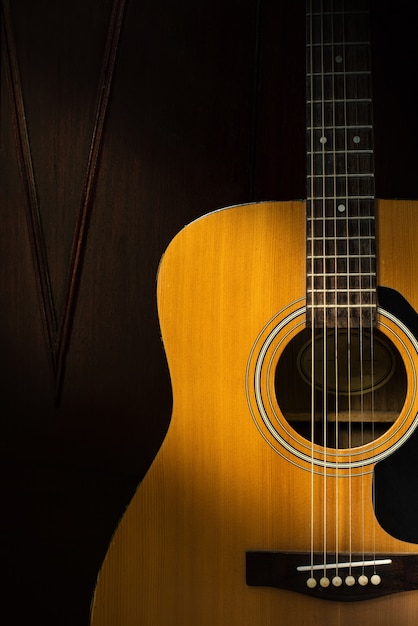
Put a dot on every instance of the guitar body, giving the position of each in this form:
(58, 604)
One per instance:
(217, 488)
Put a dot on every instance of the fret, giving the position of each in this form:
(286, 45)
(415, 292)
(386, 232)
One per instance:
(340, 266)
(338, 126)
(351, 152)
(322, 257)
(339, 230)
(335, 274)
(342, 260)
(346, 282)
(334, 73)
(359, 305)
(317, 300)
(343, 263)
(341, 101)
(332, 176)
(336, 238)
(326, 127)
(365, 197)
(348, 151)
(332, 44)
(344, 291)
(338, 14)
(333, 218)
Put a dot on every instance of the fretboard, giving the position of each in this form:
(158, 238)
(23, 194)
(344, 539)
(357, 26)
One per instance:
(341, 253)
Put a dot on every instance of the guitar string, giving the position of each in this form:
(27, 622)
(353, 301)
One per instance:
(370, 329)
(350, 316)
(312, 312)
(324, 306)
(363, 328)
(335, 312)
(372, 290)
(361, 338)
(361, 361)
(330, 315)
(347, 279)
(372, 373)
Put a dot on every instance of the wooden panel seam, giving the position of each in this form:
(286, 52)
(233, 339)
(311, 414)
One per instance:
(58, 333)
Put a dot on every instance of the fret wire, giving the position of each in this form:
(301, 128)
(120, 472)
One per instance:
(344, 13)
(352, 238)
(343, 175)
(342, 198)
(341, 101)
(351, 152)
(352, 73)
(328, 218)
(339, 127)
(324, 44)
(334, 274)
(340, 290)
(337, 255)
(362, 305)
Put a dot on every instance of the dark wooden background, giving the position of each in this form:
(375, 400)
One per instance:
(189, 107)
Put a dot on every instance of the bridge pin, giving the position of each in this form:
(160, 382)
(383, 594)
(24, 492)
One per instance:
(363, 580)
(350, 581)
(337, 581)
(375, 579)
(324, 582)
(311, 583)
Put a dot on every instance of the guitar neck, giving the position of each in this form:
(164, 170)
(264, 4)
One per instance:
(341, 263)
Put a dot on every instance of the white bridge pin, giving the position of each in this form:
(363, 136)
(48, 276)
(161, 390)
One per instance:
(311, 583)
(363, 580)
(337, 581)
(375, 579)
(350, 581)
(324, 582)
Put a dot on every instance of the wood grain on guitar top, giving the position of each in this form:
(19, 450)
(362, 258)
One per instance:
(216, 489)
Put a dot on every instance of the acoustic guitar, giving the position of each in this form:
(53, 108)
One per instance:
(290, 334)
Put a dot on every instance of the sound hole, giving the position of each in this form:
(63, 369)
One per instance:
(359, 386)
